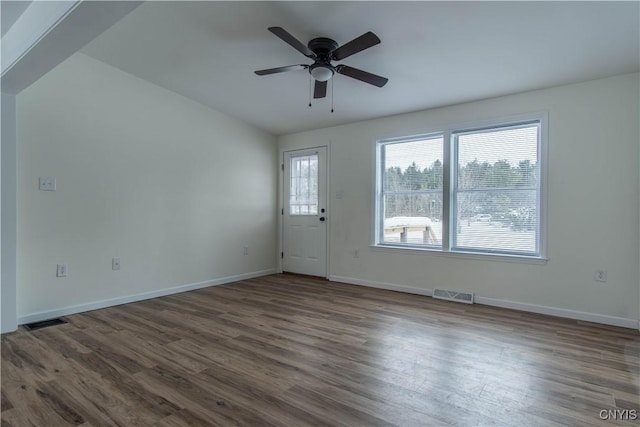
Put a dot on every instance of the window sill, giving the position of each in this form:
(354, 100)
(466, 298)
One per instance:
(414, 250)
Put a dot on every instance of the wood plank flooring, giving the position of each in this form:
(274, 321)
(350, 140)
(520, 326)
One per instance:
(298, 351)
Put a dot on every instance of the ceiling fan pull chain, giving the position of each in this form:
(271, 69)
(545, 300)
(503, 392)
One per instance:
(310, 88)
(332, 83)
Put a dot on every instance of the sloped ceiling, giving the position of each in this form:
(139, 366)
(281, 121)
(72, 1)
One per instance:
(434, 53)
(10, 11)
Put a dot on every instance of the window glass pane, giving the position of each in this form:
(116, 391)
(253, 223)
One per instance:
(413, 218)
(411, 197)
(303, 186)
(504, 221)
(415, 165)
(496, 196)
(500, 158)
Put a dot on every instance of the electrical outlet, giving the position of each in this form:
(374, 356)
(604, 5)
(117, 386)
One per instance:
(115, 263)
(600, 275)
(356, 253)
(62, 270)
(245, 250)
(47, 183)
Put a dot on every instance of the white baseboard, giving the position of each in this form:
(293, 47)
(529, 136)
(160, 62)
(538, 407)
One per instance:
(532, 308)
(382, 285)
(49, 314)
(561, 312)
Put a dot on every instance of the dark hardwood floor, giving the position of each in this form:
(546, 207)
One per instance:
(296, 351)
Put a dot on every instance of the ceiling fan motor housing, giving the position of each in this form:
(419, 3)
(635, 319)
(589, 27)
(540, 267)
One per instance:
(322, 70)
(322, 47)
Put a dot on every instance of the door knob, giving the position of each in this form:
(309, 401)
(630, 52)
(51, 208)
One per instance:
(321, 218)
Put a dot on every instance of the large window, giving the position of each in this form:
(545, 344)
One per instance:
(411, 196)
(463, 190)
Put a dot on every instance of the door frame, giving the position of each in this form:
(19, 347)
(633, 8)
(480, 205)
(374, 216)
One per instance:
(282, 152)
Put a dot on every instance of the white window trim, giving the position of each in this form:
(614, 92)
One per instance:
(447, 133)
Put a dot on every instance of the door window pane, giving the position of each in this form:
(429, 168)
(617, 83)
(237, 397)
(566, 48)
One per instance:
(303, 186)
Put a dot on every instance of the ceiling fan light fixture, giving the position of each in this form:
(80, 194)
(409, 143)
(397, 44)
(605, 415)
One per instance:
(321, 73)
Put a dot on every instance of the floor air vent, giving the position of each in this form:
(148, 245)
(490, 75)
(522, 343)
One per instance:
(44, 323)
(457, 296)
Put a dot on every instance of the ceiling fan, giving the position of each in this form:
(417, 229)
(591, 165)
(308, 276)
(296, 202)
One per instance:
(324, 50)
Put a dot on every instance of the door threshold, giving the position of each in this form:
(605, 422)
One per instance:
(310, 276)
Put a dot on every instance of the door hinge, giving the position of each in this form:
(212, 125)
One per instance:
(283, 166)
(281, 255)
(282, 212)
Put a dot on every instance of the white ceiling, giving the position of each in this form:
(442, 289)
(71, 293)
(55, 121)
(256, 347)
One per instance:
(434, 53)
(10, 11)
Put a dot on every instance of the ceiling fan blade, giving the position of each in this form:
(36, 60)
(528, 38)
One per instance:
(320, 90)
(281, 69)
(294, 42)
(363, 76)
(356, 45)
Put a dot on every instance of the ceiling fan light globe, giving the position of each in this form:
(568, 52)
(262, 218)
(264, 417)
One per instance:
(321, 74)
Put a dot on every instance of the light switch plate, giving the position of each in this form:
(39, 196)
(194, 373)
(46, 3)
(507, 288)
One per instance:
(47, 183)
(61, 270)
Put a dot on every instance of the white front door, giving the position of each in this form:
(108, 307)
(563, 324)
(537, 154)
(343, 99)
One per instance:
(305, 212)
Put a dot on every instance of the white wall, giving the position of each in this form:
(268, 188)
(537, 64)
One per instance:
(172, 187)
(593, 196)
(8, 224)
